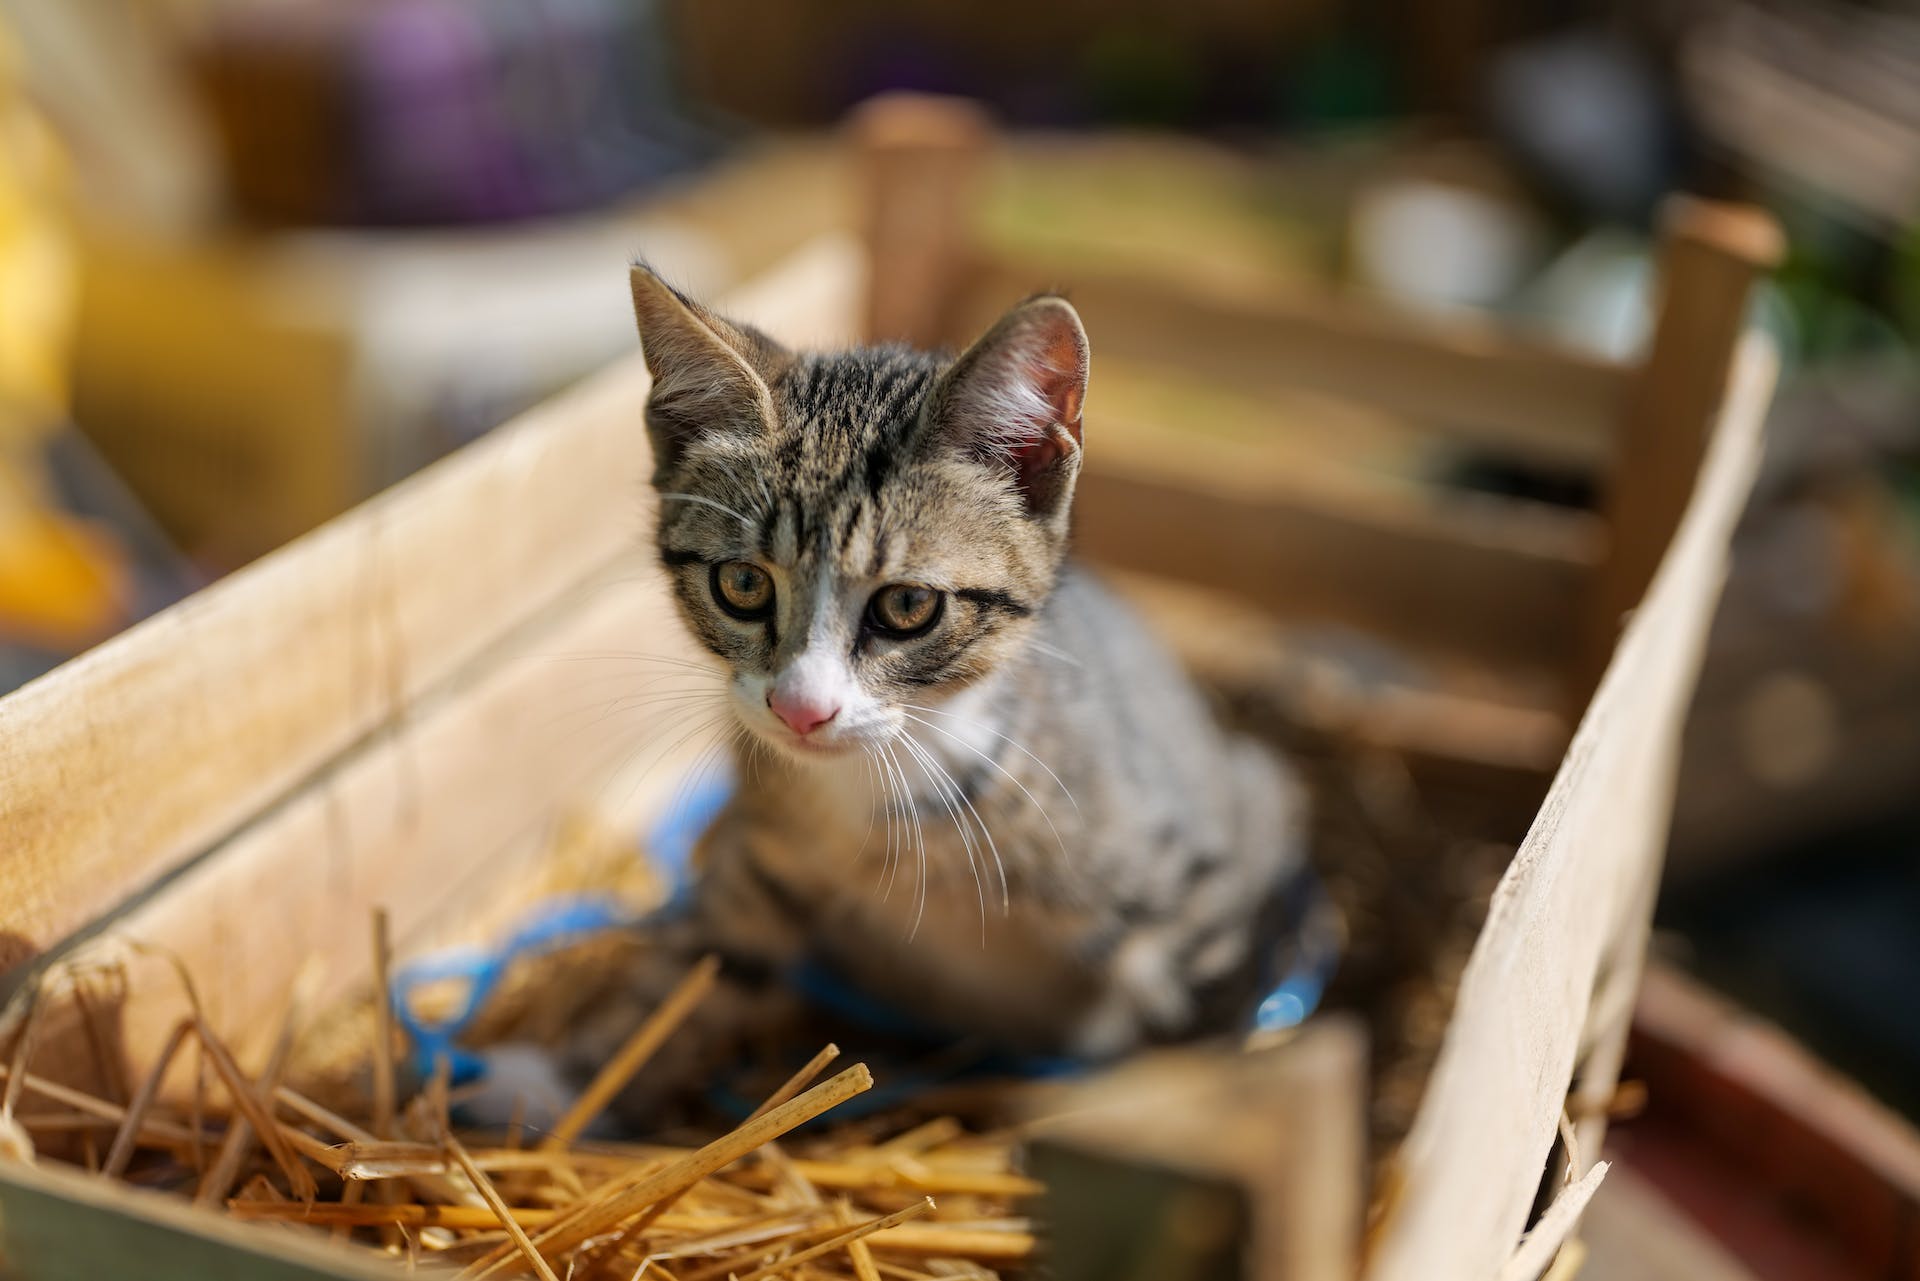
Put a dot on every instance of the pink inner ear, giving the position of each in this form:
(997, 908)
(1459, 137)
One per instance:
(1053, 369)
(1030, 459)
(1057, 375)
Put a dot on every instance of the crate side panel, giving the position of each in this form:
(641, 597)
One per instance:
(1572, 904)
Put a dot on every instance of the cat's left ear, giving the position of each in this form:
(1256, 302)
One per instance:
(1015, 397)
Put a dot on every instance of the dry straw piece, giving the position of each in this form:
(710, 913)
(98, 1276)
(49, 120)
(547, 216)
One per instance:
(390, 1176)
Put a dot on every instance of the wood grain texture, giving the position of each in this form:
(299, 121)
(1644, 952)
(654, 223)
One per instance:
(1472, 575)
(1479, 385)
(434, 822)
(120, 766)
(1571, 905)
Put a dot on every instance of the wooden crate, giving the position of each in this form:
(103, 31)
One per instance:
(365, 718)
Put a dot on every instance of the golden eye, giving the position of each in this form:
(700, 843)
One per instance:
(904, 609)
(743, 589)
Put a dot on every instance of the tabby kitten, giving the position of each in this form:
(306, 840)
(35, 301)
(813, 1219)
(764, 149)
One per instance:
(983, 793)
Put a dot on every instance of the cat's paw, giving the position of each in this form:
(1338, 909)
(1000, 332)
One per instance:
(520, 1084)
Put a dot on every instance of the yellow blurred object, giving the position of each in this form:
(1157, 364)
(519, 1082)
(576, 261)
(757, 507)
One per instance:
(62, 585)
(39, 286)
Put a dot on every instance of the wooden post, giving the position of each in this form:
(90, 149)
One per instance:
(921, 159)
(1711, 254)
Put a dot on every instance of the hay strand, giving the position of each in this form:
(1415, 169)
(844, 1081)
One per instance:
(641, 1046)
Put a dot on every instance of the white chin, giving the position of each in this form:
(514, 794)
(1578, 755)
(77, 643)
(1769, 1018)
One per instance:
(804, 749)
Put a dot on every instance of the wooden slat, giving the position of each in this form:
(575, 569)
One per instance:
(1483, 386)
(1571, 905)
(62, 1225)
(124, 763)
(433, 823)
(1499, 730)
(1473, 575)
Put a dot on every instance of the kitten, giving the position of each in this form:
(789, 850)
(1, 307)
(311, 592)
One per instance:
(983, 793)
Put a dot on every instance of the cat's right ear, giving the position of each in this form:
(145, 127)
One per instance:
(710, 377)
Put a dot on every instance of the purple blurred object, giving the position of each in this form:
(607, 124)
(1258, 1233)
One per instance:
(431, 140)
(436, 111)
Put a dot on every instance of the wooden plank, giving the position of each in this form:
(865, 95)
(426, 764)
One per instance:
(1481, 385)
(432, 822)
(121, 765)
(1571, 905)
(61, 1225)
(1502, 731)
(1473, 575)
(1711, 254)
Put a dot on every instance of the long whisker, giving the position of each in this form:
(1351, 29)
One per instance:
(1013, 743)
(928, 768)
(689, 784)
(896, 819)
(1050, 651)
(633, 683)
(1034, 800)
(704, 726)
(919, 846)
(707, 502)
(1000, 867)
(866, 754)
(633, 656)
(634, 702)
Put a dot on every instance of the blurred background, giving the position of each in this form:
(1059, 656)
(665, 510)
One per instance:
(262, 258)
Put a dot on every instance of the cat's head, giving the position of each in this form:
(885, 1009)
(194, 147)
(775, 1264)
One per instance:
(860, 533)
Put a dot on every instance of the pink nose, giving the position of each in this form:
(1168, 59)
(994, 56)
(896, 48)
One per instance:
(802, 717)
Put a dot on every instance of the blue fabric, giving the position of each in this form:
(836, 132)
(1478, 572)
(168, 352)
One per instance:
(1288, 1001)
(553, 924)
(675, 837)
(556, 923)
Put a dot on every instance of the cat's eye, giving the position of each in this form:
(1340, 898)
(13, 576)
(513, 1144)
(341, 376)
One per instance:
(743, 589)
(902, 610)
